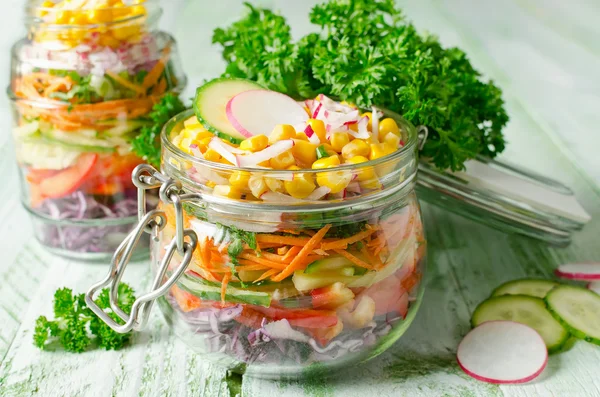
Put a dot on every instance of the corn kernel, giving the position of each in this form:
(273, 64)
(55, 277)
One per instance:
(370, 116)
(239, 179)
(257, 185)
(107, 40)
(326, 162)
(379, 150)
(363, 174)
(255, 143)
(211, 184)
(301, 136)
(196, 134)
(282, 132)
(391, 139)
(192, 122)
(339, 140)
(334, 180)
(185, 143)
(357, 147)
(283, 160)
(275, 185)
(137, 10)
(63, 17)
(211, 155)
(227, 191)
(125, 32)
(318, 127)
(301, 186)
(304, 152)
(388, 125)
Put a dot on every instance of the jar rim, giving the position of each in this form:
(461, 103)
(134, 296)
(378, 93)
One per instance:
(409, 147)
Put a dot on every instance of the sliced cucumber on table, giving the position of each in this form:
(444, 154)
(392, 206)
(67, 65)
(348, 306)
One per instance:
(531, 287)
(526, 310)
(578, 310)
(211, 101)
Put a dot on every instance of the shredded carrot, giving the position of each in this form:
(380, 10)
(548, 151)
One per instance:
(226, 279)
(321, 252)
(291, 231)
(127, 84)
(248, 266)
(343, 243)
(354, 259)
(154, 74)
(283, 250)
(300, 259)
(374, 259)
(262, 261)
(272, 257)
(282, 240)
(287, 258)
(205, 250)
(267, 274)
(160, 88)
(262, 246)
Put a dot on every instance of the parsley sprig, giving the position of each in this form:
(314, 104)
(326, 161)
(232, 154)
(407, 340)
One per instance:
(367, 52)
(76, 327)
(146, 143)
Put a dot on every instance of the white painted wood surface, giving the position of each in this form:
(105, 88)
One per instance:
(545, 56)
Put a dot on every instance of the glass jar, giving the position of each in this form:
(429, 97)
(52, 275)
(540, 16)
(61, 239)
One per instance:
(279, 287)
(83, 86)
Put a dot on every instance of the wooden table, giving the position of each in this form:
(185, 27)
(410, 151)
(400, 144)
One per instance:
(545, 56)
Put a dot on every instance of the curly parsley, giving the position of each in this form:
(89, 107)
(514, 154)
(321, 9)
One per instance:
(368, 53)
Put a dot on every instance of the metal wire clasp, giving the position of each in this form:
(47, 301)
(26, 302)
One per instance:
(422, 134)
(146, 177)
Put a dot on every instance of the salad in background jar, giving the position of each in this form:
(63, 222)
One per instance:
(90, 87)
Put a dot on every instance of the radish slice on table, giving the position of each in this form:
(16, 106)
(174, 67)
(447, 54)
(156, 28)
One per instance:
(502, 352)
(254, 159)
(579, 271)
(594, 286)
(257, 112)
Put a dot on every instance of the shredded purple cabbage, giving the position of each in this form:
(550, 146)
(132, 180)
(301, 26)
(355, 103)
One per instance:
(214, 330)
(83, 238)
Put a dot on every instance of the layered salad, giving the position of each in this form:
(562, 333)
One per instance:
(84, 88)
(280, 283)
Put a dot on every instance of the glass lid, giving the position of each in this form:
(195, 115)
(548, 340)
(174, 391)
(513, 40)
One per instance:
(505, 197)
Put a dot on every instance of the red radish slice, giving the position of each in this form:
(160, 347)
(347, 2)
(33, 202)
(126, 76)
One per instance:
(594, 286)
(502, 352)
(254, 159)
(333, 105)
(223, 149)
(275, 197)
(579, 271)
(312, 136)
(318, 193)
(70, 179)
(196, 151)
(363, 131)
(257, 112)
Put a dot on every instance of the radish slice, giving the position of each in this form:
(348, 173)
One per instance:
(594, 286)
(334, 106)
(279, 198)
(196, 151)
(224, 150)
(579, 271)
(266, 154)
(318, 193)
(374, 123)
(363, 130)
(502, 352)
(317, 110)
(312, 135)
(257, 112)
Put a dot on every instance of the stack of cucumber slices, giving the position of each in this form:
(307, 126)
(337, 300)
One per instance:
(525, 320)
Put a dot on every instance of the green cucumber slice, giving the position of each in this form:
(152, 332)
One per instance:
(526, 310)
(210, 103)
(235, 295)
(530, 287)
(331, 263)
(578, 310)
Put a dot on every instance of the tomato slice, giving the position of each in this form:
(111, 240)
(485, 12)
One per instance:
(306, 318)
(70, 179)
(35, 176)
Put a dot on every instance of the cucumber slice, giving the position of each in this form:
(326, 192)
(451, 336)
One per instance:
(530, 287)
(526, 310)
(330, 263)
(211, 101)
(578, 310)
(213, 293)
(306, 282)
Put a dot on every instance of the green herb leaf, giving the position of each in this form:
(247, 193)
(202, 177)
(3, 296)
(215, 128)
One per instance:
(367, 52)
(321, 152)
(146, 143)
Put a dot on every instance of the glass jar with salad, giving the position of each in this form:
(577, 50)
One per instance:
(289, 238)
(90, 86)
